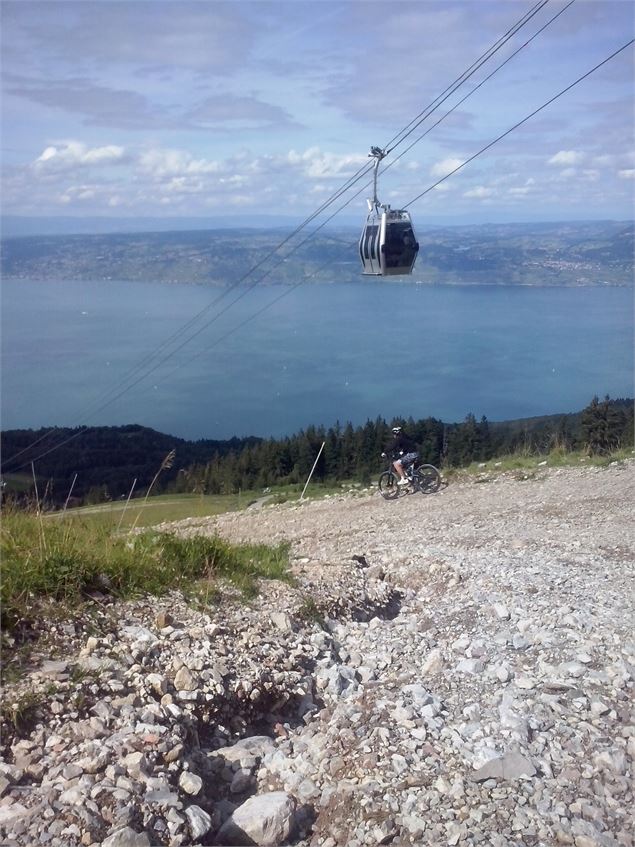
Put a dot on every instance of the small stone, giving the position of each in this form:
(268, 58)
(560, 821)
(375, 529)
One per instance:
(174, 754)
(433, 663)
(510, 766)
(157, 683)
(471, 666)
(266, 819)
(200, 822)
(503, 673)
(126, 837)
(241, 781)
(190, 782)
(572, 669)
(501, 611)
(163, 619)
(53, 669)
(281, 621)
(12, 812)
(185, 680)
(135, 764)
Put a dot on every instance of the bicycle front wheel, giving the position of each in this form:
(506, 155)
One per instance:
(388, 487)
(428, 479)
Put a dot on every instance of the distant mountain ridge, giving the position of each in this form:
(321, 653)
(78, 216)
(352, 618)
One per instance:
(579, 253)
(16, 226)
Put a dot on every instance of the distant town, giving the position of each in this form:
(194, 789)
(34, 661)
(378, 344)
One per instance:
(582, 253)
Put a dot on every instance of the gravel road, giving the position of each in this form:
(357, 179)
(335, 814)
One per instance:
(448, 669)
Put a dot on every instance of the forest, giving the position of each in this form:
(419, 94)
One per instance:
(97, 464)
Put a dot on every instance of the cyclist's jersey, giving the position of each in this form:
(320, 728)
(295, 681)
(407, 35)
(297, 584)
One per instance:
(401, 443)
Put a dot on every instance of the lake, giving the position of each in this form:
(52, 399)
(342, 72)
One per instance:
(319, 354)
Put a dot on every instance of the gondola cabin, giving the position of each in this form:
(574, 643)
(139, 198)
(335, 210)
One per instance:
(388, 246)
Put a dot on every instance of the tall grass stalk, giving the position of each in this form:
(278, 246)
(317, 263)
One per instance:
(38, 511)
(165, 464)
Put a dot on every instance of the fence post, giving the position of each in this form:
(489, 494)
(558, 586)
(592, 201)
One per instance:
(312, 469)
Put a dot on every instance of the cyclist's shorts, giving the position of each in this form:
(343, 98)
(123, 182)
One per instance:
(408, 459)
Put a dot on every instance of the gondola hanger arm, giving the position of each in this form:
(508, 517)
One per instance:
(377, 154)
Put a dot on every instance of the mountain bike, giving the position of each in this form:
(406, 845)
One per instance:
(422, 478)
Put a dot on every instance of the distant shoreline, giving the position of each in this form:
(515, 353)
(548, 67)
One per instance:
(572, 255)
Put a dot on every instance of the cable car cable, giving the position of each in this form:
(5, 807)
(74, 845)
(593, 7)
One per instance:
(360, 173)
(523, 121)
(478, 153)
(479, 85)
(147, 360)
(350, 183)
(475, 66)
(105, 400)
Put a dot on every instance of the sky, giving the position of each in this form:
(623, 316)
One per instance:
(262, 109)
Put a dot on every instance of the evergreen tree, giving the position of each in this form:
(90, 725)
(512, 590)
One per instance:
(602, 425)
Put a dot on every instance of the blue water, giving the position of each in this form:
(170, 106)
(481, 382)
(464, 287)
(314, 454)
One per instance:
(320, 354)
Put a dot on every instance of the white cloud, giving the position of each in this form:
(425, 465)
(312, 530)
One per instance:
(183, 185)
(317, 164)
(444, 167)
(72, 154)
(606, 160)
(627, 173)
(163, 162)
(566, 158)
(480, 192)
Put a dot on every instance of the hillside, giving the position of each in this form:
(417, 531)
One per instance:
(577, 253)
(101, 463)
(449, 669)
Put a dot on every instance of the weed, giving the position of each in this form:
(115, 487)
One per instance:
(22, 714)
(310, 612)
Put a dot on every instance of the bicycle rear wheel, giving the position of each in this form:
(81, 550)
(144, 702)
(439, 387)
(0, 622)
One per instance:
(388, 487)
(428, 479)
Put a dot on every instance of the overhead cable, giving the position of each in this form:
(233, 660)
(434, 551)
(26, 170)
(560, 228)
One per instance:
(134, 377)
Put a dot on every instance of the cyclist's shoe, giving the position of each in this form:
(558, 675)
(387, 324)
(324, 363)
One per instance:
(404, 481)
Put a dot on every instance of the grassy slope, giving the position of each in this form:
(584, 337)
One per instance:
(68, 556)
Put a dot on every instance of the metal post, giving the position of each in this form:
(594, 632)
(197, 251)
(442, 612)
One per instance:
(126, 506)
(70, 491)
(312, 469)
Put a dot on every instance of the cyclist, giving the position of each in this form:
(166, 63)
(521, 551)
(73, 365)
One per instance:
(403, 446)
